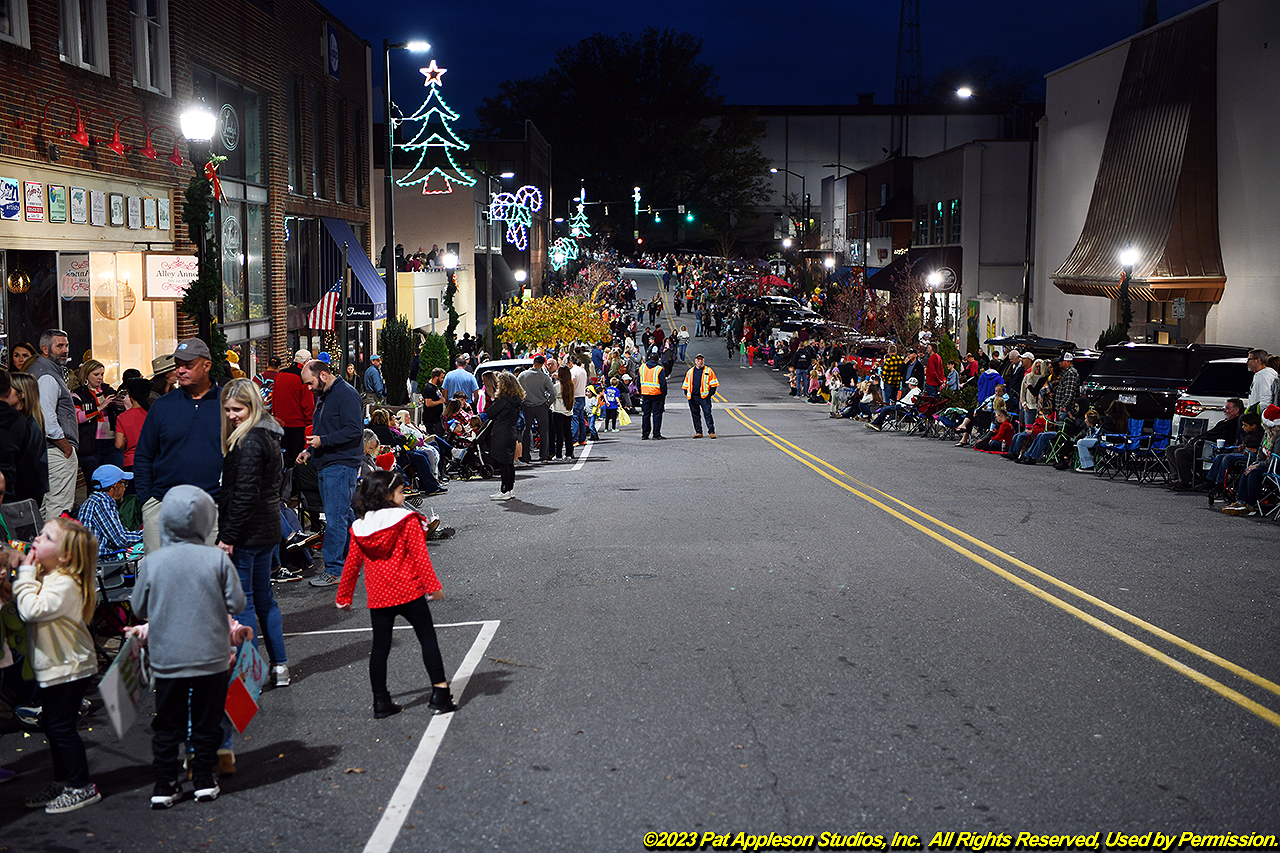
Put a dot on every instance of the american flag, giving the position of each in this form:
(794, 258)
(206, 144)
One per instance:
(321, 318)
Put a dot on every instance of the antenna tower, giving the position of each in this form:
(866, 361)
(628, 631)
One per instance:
(907, 86)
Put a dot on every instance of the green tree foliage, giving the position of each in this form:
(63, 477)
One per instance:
(197, 300)
(434, 353)
(396, 341)
(627, 110)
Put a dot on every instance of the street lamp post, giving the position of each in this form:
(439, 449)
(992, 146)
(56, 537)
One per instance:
(964, 93)
(804, 195)
(389, 256)
(199, 123)
(866, 226)
(1129, 258)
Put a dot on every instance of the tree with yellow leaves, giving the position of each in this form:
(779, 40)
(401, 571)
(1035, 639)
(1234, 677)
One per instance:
(548, 321)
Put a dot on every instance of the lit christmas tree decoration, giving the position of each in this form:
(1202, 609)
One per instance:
(436, 170)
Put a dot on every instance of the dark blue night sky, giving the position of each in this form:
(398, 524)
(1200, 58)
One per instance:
(817, 52)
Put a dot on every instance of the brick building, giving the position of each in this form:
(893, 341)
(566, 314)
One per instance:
(93, 168)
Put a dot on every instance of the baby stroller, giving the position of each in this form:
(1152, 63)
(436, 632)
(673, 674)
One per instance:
(475, 464)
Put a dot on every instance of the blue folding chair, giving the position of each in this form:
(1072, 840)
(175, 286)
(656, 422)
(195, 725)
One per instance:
(1148, 459)
(1113, 450)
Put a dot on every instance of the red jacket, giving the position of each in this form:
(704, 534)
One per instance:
(391, 545)
(292, 403)
(1003, 435)
(933, 371)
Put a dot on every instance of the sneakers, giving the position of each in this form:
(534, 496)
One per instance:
(697, 435)
(301, 539)
(50, 793)
(1236, 508)
(713, 435)
(659, 438)
(323, 580)
(502, 496)
(165, 794)
(227, 759)
(73, 798)
(207, 790)
(279, 677)
(284, 574)
(440, 491)
(874, 427)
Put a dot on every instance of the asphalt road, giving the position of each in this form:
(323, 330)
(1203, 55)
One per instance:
(799, 627)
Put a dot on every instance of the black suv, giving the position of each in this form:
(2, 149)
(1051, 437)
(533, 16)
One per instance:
(1148, 378)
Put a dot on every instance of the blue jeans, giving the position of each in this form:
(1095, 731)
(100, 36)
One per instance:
(1221, 463)
(260, 608)
(1040, 446)
(683, 346)
(579, 419)
(337, 487)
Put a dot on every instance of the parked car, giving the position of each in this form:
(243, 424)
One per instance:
(515, 365)
(1201, 406)
(1148, 378)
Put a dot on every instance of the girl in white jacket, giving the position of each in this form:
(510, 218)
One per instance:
(56, 593)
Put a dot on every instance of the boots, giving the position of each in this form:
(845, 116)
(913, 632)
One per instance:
(441, 701)
(383, 706)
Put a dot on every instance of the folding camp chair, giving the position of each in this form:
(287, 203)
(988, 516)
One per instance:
(1147, 460)
(1113, 450)
(114, 612)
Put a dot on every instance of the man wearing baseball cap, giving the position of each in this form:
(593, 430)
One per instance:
(181, 439)
(374, 388)
(1064, 399)
(101, 511)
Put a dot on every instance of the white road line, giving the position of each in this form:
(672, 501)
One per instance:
(370, 628)
(583, 453)
(393, 816)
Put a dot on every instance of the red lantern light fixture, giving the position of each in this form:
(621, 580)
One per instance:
(176, 157)
(115, 144)
(145, 149)
(79, 134)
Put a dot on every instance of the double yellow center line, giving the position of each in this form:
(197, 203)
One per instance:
(968, 546)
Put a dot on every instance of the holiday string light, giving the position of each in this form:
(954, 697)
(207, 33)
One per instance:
(436, 170)
(517, 209)
(561, 252)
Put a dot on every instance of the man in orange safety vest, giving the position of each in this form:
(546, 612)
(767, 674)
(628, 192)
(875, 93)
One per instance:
(653, 396)
(700, 384)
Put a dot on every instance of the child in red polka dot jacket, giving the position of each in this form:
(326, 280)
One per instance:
(390, 543)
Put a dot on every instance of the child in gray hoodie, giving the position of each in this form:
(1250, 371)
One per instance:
(185, 590)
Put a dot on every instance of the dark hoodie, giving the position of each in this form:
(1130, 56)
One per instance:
(186, 589)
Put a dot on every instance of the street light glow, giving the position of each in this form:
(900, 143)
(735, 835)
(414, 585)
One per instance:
(829, 263)
(934, 279)
(521, 276)
(1129, 257)
(198, 123)
(506, 175)
(964, 92)
(774, 170)
(786, 242)
(450, 261)
(418, 46)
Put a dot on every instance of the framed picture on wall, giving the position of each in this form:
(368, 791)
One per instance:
(97, 207)
(34, 203)
(79, 205)
(57, 203)
(135, 211)
(117, 209)
(162, 214)
(148, 213)
(10, 199)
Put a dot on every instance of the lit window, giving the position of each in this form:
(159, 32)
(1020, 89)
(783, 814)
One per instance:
(955, 221)
(922, 224)
(13, 22)
(151, 44)
(82, 34)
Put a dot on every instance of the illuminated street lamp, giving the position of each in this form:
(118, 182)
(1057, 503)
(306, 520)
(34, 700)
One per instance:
(804, 193)
(829, 263)
(199, 124)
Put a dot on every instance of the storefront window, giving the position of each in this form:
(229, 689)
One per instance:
(255, 261)
(233, 301)
(253, 138)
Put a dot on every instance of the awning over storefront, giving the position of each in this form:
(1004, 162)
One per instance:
(1157, 184)
(361, 266)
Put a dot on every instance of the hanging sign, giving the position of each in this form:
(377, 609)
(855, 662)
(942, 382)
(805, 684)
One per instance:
(167, 275)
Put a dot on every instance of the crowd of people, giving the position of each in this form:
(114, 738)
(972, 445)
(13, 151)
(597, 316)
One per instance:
(197, 483)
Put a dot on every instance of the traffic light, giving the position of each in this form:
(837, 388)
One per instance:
(688, 217)
(657, 217)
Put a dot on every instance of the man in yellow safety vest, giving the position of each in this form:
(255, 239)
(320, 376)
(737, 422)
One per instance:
(653, 396)
(700, 384)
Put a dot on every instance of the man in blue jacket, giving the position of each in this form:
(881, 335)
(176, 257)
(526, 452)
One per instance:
(335, 447)
(181, 439)
(373, 384)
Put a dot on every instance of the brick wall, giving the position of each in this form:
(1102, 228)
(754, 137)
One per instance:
(258, 43)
